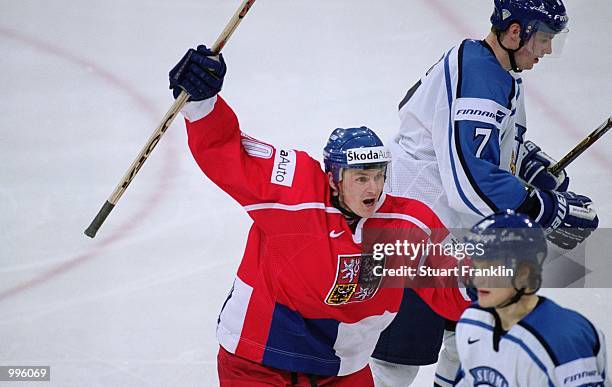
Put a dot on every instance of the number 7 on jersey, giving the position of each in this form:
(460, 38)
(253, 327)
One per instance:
(486, 133)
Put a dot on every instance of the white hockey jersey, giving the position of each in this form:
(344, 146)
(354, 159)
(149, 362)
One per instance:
(551, 346)
(461, 129)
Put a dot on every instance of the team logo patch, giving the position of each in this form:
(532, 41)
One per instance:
(487, 376)
(355, 279)
(480, 110)
(499, 116)
(284, 167)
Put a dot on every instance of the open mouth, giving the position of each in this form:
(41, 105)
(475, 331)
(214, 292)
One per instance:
(369, 202)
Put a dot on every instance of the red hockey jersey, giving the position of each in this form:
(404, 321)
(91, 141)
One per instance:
(297, 303)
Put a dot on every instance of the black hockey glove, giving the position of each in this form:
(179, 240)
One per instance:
(533, 168)
(566, 217)
(200, 73)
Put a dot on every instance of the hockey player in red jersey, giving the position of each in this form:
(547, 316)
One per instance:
(299, 312)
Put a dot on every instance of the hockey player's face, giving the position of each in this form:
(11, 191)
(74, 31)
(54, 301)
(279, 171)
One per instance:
(492, 290)
(360, 189)
(498, 288)
(539, 45)
(492, 297)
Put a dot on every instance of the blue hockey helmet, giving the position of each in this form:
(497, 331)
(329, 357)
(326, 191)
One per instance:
(547, 16)
(507, 234)
(514, 239)
(358, 148)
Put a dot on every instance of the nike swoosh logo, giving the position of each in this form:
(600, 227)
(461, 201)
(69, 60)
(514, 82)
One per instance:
(334, 234)
(470, 341)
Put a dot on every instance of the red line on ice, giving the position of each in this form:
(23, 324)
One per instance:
(169, 167)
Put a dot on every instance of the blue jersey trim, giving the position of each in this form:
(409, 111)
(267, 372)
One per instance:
(480, 76)
(597, 346)
(514, 339)
(449, 93)
(542, 341)
(451, 382)
(470, 174)
(409, 94)
(575, 331)
(231, 292)
(460, 375)
(314, 337)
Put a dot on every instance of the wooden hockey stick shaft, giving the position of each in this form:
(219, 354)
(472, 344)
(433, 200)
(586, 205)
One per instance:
(582, 146)
(178, 104)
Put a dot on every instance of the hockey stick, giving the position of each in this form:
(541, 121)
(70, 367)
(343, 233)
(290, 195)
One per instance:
(582, 146)
(178, 104)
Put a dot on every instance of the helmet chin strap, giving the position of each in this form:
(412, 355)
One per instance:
(510, 53)
(519, 293)
(348, 214)
(513, 300)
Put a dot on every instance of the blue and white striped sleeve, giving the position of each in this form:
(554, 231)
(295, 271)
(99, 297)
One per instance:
(583, 363)
(479, 94)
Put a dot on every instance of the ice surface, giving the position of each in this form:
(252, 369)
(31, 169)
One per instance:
(84, 85)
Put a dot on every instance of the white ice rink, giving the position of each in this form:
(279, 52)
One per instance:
(84, 84)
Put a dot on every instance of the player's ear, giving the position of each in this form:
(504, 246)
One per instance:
(332, 184)
(513, 36)
(523, 276)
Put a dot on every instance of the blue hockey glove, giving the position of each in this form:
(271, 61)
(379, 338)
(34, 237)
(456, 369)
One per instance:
(566, 218)
(200, 73)
(533, 169)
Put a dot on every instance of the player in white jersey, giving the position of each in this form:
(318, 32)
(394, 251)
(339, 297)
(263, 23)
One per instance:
(511, 336)
(461, 149)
